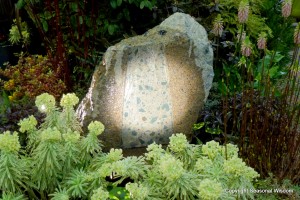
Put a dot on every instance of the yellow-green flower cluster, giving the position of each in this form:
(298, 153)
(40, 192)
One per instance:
(69, 100)
(100, 194)
(9, 142)
(236, 167)
(51, 135)
(119, 168)
(210, 189)
(14, 33)
(28, 124)
(232, 151)
(178, 143)
(137, 191)
(45, 102)
(95, 128)
(171, 168)
(211, 149)
(105, 170)
(71, 136)
(155, 152)
(114, 155)
(203, 164)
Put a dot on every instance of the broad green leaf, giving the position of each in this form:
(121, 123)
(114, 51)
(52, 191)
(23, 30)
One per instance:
(20, 4)
(119, 193)
(198, 126)
(45, 24)
(222, 87)
(111, 29)
(113, 3)
(148, 4)
(126, 14)
(273, 72)
(6, 101)
(74, 6)
(119, 2)
(142, 4)
(48, 15)
(214, 131)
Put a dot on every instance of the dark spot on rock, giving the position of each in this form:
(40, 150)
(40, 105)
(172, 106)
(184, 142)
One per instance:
(150, 141)
(144, 118)
(162, 32)
(142, 141)
(134, 133)
(206, 50)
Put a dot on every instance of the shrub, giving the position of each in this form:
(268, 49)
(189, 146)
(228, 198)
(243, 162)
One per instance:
(31, 77)
(11, 116)
(60, 163)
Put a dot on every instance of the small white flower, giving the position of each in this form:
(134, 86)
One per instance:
(43, 108)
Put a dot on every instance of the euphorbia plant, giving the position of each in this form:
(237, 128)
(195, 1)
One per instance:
(60, 162)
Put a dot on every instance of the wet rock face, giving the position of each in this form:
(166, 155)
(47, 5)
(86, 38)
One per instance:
(152, 85)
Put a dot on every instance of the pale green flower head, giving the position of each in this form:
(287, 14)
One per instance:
(236, 167)
(9, 142)
(45, 102)
(119, 167)
(178, 143)
(95, 128)
(211, 149)
(28, 124)
(114, 155)
(51, 135)
(105, 170)
(232, 151)
(100, 194)
(155, 152)
(71, 136)
(137, 191)
(203, 163)
(171, 168)
(69, 100)
(210, 189)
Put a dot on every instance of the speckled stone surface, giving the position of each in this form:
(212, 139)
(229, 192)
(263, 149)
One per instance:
(151, 86)
(147, 109)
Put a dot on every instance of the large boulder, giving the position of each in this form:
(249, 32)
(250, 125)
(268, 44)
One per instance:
(152, 85)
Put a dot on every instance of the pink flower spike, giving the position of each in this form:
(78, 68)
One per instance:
(243, 12)
(218, 26)
(246, 47)
(297, 34)
(286, 8)
(262, 41)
